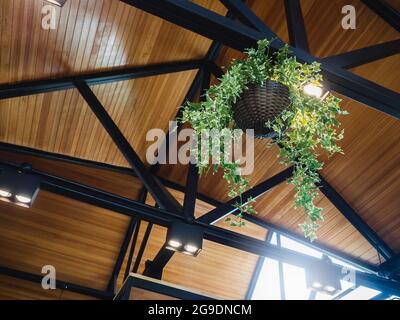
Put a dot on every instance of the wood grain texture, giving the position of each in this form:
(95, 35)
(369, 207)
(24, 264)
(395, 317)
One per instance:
(83, 241)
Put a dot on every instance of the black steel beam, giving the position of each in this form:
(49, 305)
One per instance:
(295, 24)
(132, 250)
(164, 218)
(156, 267)
(157, 190)
(344, 293)
(118, 74)
(121, 255)
(202, 21)
(189, 202)
(351, 215)
(365, 266)
(228, 207)
(157, 287)
(366, 55)
(391, 266)
(142, 199)
(142, 247)
(245, 15)
(202, 197)
(59, 284)
(385, 11)
(214, 26)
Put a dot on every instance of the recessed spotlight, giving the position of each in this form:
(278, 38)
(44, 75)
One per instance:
(175, 243)
(185, 238)
(23, 199)
(329, 288)
(5, 194)
(317, 285)
(191, 249)
(19, 185)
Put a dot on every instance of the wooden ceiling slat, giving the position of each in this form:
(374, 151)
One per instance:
(100, 34)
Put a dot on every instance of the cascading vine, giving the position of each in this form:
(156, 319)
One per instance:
(308, 125)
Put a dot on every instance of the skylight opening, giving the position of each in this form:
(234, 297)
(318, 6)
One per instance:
(268, 286)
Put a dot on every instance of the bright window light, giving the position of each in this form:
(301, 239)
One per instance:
(296, 246)
(295, 282)
(267, 287)
(361, 293)
(268, 283)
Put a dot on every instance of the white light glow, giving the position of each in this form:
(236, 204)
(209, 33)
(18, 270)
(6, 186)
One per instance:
(317, 285)
(23, 199)
(191, 249)
(330, 289)
(5, 194)
(313, 90)
(174, 243)
(361, 293)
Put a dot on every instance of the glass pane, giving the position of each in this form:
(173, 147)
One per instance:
(267, 287)
(295, 283)
(296, 246)
(361, 293)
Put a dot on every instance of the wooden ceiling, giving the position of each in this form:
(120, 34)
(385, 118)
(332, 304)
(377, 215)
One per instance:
(83, 241)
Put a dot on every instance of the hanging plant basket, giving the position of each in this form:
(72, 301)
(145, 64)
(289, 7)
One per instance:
(259, 104)
(271, 93)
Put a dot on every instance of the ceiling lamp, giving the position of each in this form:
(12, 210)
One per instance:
(19, 186)
(59, 3)
(313, 90)
(324, 276)
(184, 238)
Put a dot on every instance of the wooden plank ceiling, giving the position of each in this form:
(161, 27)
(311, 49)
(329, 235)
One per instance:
(83, 241)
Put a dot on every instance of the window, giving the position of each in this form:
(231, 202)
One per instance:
(279, 280)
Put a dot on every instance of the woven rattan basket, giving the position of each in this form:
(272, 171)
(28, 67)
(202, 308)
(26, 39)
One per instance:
(258, 104)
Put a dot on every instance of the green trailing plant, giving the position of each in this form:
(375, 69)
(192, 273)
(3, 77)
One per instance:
(308, 125)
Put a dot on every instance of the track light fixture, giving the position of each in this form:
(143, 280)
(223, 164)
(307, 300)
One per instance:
(184, 238)
(19, 186)
(324, 276)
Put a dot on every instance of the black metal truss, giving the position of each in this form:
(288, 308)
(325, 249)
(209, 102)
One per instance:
(227, 208)
(238, 9)
(391, 267)
(132, 250)
(158, 287)
(365, 55)
(155, 268)
(385, 11)
(164, 218)
(62, 285)
(157, 190)
(25, 88)
(224, 31)
(131, 234)
(295, 22)
(221, 209)
(219, 28)
(112, 285)
(352, 216)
